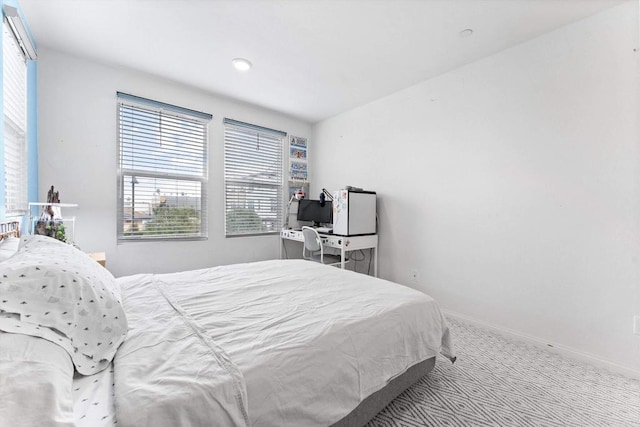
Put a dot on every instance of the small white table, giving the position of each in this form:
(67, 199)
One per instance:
(343, 243)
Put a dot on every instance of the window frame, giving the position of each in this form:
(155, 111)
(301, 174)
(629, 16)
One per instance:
(16, 189)
(174, 113)
(276, 185)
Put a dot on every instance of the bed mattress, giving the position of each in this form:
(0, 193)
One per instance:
(282, 342)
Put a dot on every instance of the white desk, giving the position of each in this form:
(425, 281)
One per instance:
(344, 243)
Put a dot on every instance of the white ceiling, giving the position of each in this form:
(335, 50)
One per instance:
(312, 58)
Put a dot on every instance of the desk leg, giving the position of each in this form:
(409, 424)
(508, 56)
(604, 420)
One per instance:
(375, 261)
(342, 254)
(281, 248)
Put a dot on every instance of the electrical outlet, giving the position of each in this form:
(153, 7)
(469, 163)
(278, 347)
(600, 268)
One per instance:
(414, 275)
(636, 325)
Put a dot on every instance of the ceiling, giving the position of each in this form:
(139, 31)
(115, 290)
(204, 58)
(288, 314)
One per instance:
(312, 59)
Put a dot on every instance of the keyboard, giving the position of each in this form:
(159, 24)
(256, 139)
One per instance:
(325, 230)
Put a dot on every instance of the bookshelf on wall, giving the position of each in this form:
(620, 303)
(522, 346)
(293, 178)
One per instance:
(298, 177)
(298, 172)
(53, 220)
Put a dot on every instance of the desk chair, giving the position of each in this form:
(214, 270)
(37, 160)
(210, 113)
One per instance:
(313, 245)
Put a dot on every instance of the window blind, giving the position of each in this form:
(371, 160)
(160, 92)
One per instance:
(14, 90)
(253, 179)
(162, 170)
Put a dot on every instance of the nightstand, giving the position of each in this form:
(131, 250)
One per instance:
(99, 257)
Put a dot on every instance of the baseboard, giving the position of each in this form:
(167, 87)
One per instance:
(553, 347)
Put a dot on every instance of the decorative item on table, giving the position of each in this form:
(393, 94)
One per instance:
(50, 222)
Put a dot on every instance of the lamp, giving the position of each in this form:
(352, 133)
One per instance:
(297, 196)
(20, 31)
(242, 64)
(325, 195)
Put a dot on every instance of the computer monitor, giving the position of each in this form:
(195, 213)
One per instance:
(312, 210)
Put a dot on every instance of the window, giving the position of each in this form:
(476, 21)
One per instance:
(14, 89)
(252, 179)
(162, 170)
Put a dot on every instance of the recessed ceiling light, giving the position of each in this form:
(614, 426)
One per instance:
(466, 33)
(241, 64)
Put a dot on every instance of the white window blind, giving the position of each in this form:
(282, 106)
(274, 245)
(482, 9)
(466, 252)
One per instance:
(253, 178)
(14, 98)
(162, 170)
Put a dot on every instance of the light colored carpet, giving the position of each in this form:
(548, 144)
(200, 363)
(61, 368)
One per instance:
(501, 382)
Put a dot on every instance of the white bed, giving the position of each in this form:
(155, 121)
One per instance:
(272, 343)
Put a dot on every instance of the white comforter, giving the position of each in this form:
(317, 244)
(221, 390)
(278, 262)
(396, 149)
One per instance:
(273, 343)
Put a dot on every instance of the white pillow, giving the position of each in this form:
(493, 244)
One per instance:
(8, 247)
(52, 290)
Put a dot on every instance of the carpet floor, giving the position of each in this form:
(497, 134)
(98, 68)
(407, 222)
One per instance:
(497, 381)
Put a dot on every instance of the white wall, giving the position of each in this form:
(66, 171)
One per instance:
(77, 154)
(511, 185)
